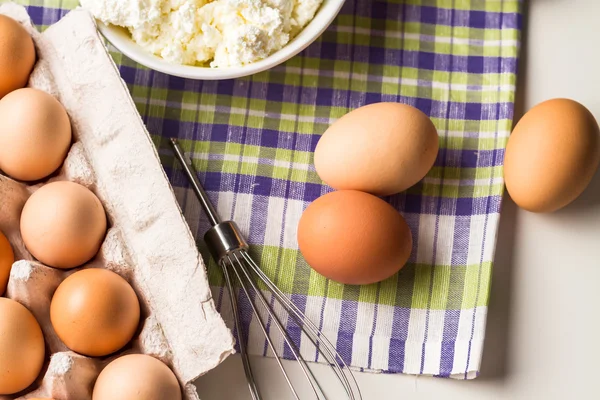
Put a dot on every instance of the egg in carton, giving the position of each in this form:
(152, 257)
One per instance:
(148, 241)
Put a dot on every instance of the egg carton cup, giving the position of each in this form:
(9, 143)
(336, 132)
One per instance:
(148, 241)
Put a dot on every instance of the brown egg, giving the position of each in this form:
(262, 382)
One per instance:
(95, 312)
(22, 348)
(32, 144)
(382, 148)
(7, 258)
(353, 237)
(17, 56)
(136, 377)
(63, 224)
(552, 155)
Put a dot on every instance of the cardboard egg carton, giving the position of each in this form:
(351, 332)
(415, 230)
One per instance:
(148, 241)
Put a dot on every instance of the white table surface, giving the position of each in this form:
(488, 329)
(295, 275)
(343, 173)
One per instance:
(543, 331)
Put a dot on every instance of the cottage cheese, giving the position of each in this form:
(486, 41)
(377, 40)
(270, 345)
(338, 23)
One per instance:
(221, 33)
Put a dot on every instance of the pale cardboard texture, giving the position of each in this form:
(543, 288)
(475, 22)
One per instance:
(148, 242)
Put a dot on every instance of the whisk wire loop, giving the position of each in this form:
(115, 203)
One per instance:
(229, 263)
(244, 274)
(318, 339)
(242, 343)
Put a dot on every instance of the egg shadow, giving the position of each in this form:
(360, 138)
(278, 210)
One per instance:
(588, 200)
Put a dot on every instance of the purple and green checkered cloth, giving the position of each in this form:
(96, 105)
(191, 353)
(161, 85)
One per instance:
(253, 138)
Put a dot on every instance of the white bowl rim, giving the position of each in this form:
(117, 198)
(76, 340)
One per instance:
(323, 18)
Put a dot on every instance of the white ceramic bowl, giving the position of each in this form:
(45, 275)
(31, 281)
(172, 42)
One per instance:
(121, 39)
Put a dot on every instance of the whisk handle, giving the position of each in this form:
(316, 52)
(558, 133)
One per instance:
(197, 187)
(224, 239)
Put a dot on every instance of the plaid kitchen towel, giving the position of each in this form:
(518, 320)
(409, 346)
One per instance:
(252, 141)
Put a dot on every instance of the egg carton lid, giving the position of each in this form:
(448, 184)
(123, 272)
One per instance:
(115, 154)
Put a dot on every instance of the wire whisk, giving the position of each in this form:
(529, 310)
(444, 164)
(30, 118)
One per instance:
(228, 247)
